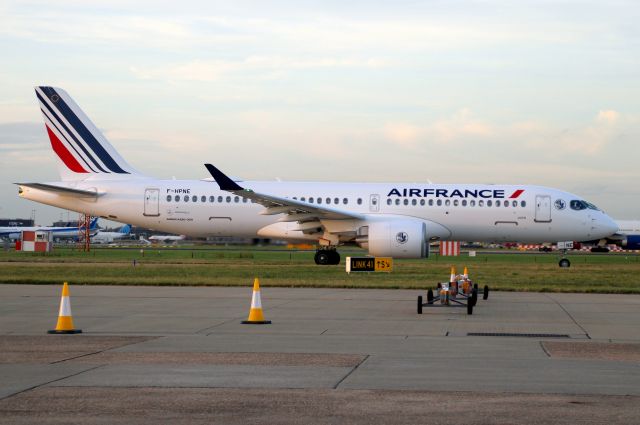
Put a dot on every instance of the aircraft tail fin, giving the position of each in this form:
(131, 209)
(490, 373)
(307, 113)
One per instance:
(81, 148)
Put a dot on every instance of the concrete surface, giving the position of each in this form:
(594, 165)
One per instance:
(330, 356)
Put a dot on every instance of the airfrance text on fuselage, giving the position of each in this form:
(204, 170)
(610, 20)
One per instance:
(455, 193)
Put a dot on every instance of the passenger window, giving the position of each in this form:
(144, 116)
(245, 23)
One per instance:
(447, 202)
(168, 198)
(481, 203)
(244, 200)
(303, 199)
(472, 203)
(311, 200)
(319, 200)
(506, 203)
(203, 199)
(212, 198)
(186, 198)
(236, 199)
(397, 201)
(219, 198)
(523, 204)
(228, 199)
(406, 202)
(455, 202)
(489, 203)
(430, 202)
(359, 201)
(389, 201)
(345, 201)
(464, 202)
(422, 202)
(194, 198)
(439, 202)
(414, 202)
(328, 201)
(176, 198)
(336, 201)
(497, 203)
(295, 198)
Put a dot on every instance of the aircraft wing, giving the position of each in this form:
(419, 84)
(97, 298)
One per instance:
(296, 210)
(78, 193)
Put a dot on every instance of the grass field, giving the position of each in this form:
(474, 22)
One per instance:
(614, 273)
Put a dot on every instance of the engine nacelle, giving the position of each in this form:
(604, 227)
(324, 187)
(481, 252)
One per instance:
(631, 242)
(397, 238)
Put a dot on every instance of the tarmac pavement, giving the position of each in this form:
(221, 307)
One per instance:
(330, 356)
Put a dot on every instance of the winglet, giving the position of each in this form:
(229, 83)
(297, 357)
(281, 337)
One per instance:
(223, 181)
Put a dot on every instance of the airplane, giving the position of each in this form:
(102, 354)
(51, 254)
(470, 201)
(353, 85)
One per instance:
(109, 237)
(387, 219)
(166, 238)
(627, 237)
(13, 233)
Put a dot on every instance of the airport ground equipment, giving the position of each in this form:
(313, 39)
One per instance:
(65, 319)
(460, 291)
(256, 316)
(369, 264)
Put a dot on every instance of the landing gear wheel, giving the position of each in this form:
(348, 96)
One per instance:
(429, 296)
(322, 257)
(469, 307)
(485, 294)
(473, 300)
(475, 286)
(335, 257)
(419, 304)
(564, 263)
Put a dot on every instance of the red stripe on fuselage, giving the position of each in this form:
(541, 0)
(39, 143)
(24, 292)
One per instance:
(517, 193)
(63, 153)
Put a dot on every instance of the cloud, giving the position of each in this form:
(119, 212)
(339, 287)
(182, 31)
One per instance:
(464, 128)
(212, 70)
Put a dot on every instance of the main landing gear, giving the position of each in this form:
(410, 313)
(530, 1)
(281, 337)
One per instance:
(325, 257)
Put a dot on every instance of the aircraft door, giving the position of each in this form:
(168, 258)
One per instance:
(543, 209)
(152, 202)
(374, 203)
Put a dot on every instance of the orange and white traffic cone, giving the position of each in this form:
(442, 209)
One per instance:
(65, 319)
(465, 274)
(453, 282)
(256, 317)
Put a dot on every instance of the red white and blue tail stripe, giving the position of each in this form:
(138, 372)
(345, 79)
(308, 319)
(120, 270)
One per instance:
(83, 150)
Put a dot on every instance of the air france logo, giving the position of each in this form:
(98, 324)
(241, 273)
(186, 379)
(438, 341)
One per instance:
(402, 237)
(455, 193)
(560, 204)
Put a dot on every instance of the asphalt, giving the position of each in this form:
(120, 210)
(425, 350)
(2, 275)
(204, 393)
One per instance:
(180, 354)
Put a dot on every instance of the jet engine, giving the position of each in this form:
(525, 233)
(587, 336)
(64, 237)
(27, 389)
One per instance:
(631, 242)
(395, 238)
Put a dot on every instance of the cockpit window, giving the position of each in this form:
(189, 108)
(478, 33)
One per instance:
(578, 205)
(582, 205)
(592, 207)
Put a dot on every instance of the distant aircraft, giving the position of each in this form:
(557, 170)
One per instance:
(166, 238)
(58, 232)
(109, 237)
(388, 219)
(627, 236)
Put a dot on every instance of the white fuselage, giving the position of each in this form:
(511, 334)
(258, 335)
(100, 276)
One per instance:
(453, 212)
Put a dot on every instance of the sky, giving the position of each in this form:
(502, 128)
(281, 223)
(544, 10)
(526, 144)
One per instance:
(526, 92)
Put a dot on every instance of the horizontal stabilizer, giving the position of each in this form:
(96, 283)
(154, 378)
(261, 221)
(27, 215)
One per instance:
(78, 193)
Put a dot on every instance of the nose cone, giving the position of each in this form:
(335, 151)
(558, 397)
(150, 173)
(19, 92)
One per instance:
(607, 226)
